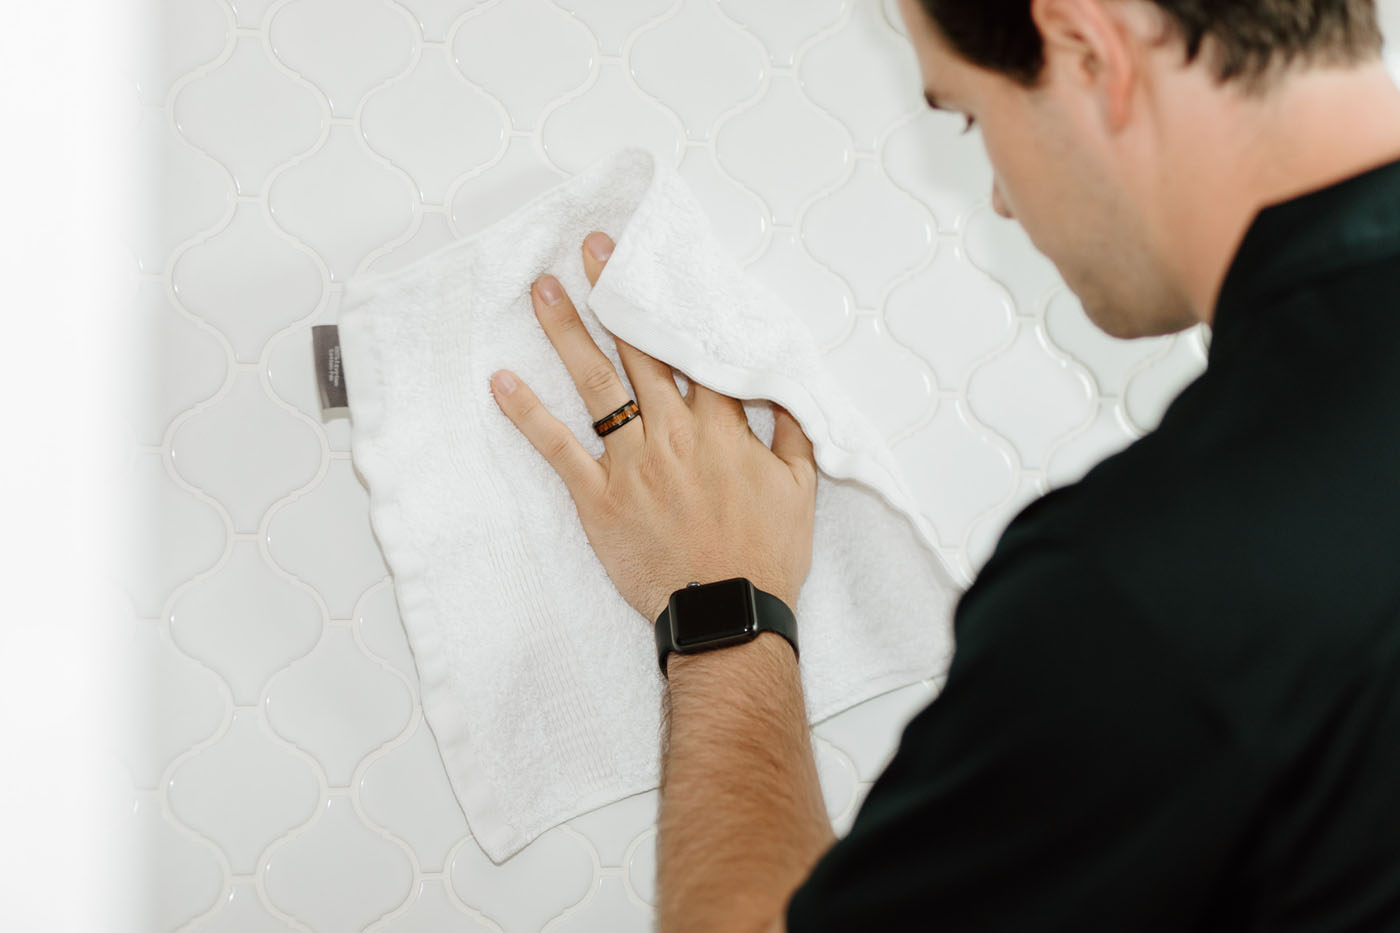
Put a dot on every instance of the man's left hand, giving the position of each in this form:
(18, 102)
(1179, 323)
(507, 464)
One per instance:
(686, 491)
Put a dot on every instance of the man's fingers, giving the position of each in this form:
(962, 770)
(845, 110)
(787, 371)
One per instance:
(653, 381)
(592, 262)
(715, 406)
(593, 373)
(583, 475)
(790, 442)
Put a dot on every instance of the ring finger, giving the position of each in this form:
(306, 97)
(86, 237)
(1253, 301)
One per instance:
(593, 373)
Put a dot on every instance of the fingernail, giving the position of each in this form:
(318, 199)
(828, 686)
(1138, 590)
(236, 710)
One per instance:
(504, 382)
(549, 290)
(600, 245)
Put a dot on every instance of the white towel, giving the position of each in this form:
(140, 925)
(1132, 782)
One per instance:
(539, 681)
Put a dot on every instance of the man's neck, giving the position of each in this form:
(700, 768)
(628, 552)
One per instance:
(1314, 129)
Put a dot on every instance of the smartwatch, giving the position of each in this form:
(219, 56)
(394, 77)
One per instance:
(705, 616)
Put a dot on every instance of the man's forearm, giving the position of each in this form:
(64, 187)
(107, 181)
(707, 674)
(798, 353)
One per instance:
(742, 819)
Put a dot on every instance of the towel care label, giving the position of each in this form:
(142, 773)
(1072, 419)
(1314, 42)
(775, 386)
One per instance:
(330, 377)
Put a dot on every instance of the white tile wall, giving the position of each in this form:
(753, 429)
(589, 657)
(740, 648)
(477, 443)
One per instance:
(283, 777)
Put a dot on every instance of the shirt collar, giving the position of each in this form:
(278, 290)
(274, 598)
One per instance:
(1308, 238)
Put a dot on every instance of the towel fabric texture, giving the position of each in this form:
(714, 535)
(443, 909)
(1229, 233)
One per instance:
(539, 681)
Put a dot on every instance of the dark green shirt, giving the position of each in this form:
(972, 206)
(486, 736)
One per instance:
(1175, 701)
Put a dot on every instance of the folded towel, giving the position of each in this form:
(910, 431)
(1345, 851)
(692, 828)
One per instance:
(539, 681)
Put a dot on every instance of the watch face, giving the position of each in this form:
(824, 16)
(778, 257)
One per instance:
(702, 615)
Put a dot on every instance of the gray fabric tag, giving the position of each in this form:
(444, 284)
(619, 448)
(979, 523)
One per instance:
(330, 377)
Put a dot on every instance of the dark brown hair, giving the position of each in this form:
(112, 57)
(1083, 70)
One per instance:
(1248, 38)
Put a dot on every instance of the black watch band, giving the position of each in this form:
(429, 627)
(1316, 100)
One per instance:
(704, 616)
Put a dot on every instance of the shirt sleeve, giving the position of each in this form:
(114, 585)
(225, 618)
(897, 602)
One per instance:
(1071, 774)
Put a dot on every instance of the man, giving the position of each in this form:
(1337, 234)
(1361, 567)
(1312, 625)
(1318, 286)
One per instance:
(1175, 702)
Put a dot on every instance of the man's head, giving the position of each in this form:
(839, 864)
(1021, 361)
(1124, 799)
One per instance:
(1094, 113)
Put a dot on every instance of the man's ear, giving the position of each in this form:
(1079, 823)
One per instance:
(1091, 43)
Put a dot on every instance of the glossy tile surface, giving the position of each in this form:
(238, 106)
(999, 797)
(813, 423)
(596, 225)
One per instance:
(283, 777)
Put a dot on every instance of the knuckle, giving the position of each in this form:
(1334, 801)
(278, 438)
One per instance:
(557, 444)
(806, 476)
(564, 322)
(598, 377)
(608, 505)
(735, 427)
(681, 439)
(654, 465)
